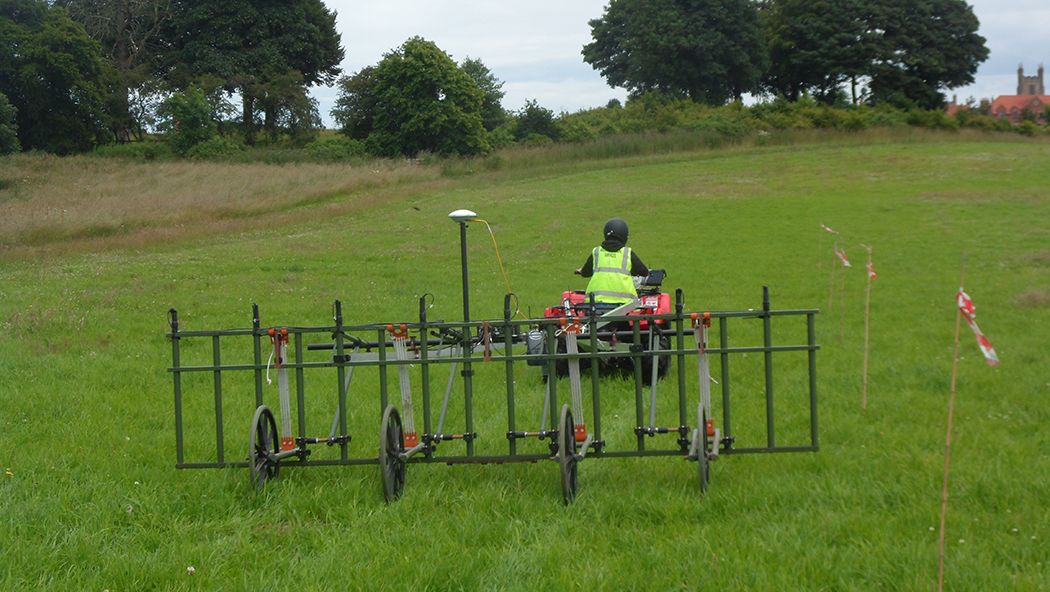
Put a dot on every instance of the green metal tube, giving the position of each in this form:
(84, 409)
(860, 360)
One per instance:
(340, 376)
(723, 344)
(300, 394)
(508, 343)
(679, 321)
(220, 454)
(636, 360)
(176, 377)
(811, 336)
(257, 355)
(382, 373)
(596, 394)
(767, 342)
(424, 374)
(552, 377)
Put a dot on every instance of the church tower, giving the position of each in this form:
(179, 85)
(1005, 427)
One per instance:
(1030, 85)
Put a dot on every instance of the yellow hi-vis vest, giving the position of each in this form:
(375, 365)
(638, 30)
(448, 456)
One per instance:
(612, 280)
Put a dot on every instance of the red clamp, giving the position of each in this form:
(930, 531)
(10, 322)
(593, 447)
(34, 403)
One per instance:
(278, 338)
(411, 439)
(580, 433)
(400, 333)
(568, 326)
(698, 319)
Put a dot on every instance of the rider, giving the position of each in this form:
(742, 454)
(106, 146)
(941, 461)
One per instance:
(612, 265)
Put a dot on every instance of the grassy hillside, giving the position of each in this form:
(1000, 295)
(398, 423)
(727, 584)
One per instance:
(89, 499)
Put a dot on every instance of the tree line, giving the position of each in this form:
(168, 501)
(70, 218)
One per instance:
(78, 73)
(75, 74)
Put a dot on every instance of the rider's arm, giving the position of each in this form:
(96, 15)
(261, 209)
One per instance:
(637, 267)
(588, 268)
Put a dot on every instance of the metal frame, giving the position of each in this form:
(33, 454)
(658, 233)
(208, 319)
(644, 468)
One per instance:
(501, 341)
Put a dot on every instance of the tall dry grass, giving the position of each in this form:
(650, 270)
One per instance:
(45, 200)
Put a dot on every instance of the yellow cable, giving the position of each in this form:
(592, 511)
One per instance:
(499, 259)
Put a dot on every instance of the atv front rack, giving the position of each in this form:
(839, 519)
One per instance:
(487, 357)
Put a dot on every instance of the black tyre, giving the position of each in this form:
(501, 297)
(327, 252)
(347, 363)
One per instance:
(663, 361)
(391, 461)
(703, 451)
(567, 459)
(263, 447)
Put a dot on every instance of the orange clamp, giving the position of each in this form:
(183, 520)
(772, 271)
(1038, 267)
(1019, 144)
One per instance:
(581, 432)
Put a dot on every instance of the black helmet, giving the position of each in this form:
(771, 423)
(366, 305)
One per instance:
(617, 229)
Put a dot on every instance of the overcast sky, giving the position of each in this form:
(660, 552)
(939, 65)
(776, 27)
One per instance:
(534, 46)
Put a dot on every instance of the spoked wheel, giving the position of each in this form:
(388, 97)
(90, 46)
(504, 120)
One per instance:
(263, 446)
(703, 450)
(567, 458)
(391, 463)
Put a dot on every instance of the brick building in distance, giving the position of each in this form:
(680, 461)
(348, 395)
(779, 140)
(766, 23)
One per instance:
(1031, 97)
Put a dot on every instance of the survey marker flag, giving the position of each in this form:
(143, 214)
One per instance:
(969, 312)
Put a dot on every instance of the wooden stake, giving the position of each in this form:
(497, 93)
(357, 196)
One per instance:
(867, 316)
(948, 437)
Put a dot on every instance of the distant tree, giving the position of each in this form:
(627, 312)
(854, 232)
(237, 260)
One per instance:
(921, 48)
(288, 109)
(492, 113)
(129, 33)
(416, 99)
(8, 127)
(53, 73)
(708, 50)
(250, 45)
(534, 120)
(186, 119)
(815, 46)
(355, 107)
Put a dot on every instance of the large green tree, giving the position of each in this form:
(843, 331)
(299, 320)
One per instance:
(8, 127)
(251, 45)
(55, 76)
(492, 113)
(129, 33)
(709, 50)
(922, 47)
(815, 46)
(416, 99)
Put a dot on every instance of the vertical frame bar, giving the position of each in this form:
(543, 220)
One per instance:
(340, 376)
(811, 336)
(176, 378)
(257, 355)
(679, 306)
(596, 394)
(723, 346)
(216, 364)
(512, 444)
(424, 371)
(300, 387)
(767, 343)
(636, 360)
(468, 383)
(381, 340)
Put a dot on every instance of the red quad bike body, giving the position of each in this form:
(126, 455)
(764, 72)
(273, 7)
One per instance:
(653, 301)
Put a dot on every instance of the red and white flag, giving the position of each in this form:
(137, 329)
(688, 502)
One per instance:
(828, 229)
(871, 272)
(841, 254)
(969, 312)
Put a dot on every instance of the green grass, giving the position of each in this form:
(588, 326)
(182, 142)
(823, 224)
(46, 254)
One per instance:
(86, 426)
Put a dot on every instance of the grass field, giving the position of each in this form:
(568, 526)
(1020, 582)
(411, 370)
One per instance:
(89, 499)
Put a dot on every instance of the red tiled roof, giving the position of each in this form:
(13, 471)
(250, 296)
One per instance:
(1020, 102)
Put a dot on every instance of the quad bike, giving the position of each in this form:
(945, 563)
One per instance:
(616, 335)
